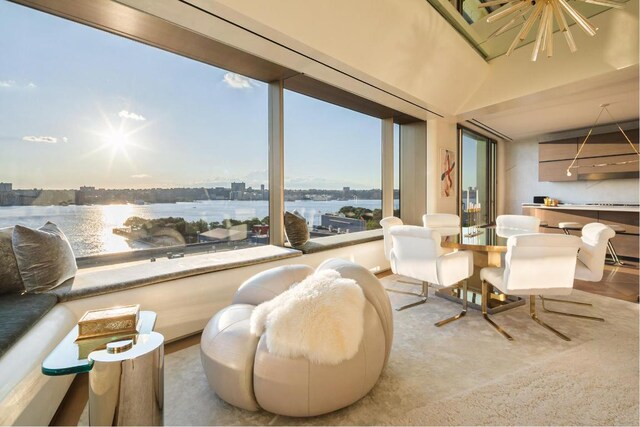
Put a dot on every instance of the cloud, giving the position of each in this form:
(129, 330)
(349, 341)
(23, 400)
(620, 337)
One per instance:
(45, 139)
(141, 176)
(237, 81)
(132, 116)
(12, 84)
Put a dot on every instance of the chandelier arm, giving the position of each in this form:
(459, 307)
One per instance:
(562, 23)
(623, 132)
(495, 3)
(606, 3)
(541, 36)
(506, 12)
(522, 34)
(510, 25)
(549, 37)
(580, 20)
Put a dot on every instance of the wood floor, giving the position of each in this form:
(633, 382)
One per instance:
(618, 282)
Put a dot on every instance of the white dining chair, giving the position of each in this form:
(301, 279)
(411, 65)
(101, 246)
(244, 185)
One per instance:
(536, 265)
(593, 250)
(445, 224)
(523, 223)
(417, 253)
(590, 264)
(386, 224)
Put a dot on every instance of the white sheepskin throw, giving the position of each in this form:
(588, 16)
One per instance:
(321, 318)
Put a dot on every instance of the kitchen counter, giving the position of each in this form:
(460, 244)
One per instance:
(628, 217)
(570, 206)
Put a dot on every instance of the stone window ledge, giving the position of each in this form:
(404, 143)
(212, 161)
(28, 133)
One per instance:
(320, 244)
(100, 280)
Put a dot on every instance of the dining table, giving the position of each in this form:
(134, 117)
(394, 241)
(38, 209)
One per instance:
(489, 246)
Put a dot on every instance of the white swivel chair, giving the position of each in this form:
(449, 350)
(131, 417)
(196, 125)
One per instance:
(536, 264)
(524, 223)
(417, 253)
(387, 223)
(590, 264)
(595, 240)
(445, 224)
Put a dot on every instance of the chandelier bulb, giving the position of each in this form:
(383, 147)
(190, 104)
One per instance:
(568, 172)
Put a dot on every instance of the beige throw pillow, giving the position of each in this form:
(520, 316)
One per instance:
(45, 258)
(295, 227)
(10, 280)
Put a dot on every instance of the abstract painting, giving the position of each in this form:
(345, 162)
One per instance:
(447, 173)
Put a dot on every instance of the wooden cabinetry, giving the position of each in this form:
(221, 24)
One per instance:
(604, 156)
(626, 244)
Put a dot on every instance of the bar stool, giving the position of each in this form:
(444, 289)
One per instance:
(566, 226)
(614, 256)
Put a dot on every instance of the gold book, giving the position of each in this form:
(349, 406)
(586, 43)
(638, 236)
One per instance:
(108, 321)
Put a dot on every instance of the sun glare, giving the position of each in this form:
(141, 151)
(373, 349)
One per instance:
(117, 140)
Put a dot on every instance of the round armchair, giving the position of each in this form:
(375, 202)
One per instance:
(243, 372)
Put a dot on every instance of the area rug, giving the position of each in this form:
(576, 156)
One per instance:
(465, 373)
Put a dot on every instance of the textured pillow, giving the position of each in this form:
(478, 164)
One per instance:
(295, 227)
(45, 258)
(10, 280)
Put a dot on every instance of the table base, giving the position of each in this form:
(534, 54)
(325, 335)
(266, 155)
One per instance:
(497, 302)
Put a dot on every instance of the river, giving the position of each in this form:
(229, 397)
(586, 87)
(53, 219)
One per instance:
(89, 228)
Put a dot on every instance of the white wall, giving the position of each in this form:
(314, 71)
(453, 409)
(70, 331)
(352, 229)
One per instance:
(441, 134)
(404, 45)
(521, 175)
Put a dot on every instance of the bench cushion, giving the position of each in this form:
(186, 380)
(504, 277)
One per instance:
(18, 313)
(10, 280)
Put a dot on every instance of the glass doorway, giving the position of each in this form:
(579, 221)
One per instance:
(477, 159)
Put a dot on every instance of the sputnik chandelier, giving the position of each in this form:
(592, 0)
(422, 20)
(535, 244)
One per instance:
(604, 108)
(527, 12)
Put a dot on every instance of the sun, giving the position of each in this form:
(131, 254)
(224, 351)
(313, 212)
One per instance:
(117, 140)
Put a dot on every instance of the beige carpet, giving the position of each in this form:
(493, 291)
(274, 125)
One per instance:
(465, 373)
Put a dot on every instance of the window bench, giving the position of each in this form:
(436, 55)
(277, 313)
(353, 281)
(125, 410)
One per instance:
(106, 279)
(320, 244)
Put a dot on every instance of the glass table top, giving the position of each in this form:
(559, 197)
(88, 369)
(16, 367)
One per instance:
(71, 357)
(489, 239)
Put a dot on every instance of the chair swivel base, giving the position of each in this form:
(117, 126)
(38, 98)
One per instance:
(464, 308)
(424, 295)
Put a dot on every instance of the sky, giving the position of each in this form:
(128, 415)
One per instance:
(79, 106)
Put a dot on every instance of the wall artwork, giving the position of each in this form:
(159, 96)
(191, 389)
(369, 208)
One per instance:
(447, 173)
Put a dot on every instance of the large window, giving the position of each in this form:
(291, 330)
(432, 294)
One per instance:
(477, 202)
(332, 166)
(126, 146)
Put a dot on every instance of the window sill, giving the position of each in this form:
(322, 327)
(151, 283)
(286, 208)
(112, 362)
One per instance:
(320, 244)
(112, 278)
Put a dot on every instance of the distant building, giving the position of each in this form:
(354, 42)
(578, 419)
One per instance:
(238, 186)
(6, 186)
(87, 188)
(342, 224)
(346, 189)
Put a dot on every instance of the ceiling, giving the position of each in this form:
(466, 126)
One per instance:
(572, 106)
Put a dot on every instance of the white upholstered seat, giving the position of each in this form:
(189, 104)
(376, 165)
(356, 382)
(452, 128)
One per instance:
(522, 223)
(386, 224)
(417, 253)
(445, 224)
(535, 264)
(595, 237)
